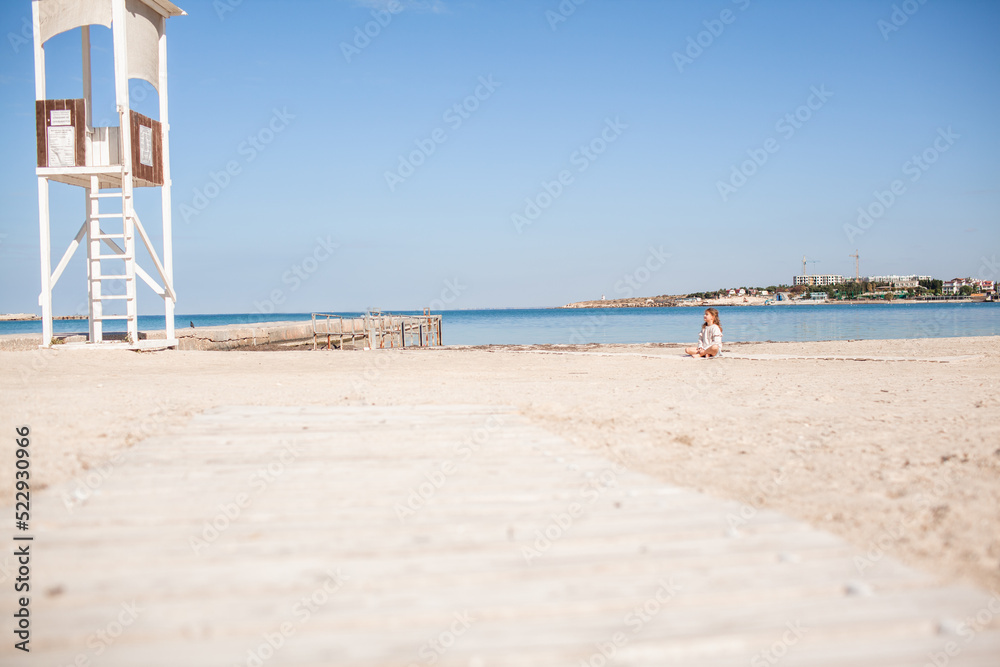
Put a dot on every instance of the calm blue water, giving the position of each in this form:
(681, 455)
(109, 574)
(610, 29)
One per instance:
(653, 325)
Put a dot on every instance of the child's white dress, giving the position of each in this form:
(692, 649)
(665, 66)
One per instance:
(710, 335)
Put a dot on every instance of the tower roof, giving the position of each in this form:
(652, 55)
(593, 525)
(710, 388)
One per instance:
(144, 26)
(58, 16)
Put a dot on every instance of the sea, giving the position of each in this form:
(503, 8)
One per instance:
(553, 326)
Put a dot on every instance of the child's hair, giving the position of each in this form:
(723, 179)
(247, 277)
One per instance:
(715, 316)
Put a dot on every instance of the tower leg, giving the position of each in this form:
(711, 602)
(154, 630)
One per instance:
(168, 244)
(45, 298)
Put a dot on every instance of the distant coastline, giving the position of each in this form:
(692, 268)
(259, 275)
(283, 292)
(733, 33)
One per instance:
(633, 302)
(28, 317)
(680, 302)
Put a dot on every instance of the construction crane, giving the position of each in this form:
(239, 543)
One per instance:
(805, 261)
(857, 265)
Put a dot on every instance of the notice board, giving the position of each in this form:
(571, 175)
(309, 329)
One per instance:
(61, 127)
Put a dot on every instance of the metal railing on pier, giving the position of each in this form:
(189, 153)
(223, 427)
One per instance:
(376, 330)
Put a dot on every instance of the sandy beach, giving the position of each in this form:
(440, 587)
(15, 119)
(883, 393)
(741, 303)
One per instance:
(898, 457)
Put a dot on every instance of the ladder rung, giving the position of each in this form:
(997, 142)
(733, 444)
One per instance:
(118, 297)
(106, 195)
(108, 236)
(112, 317)
(108, 215)
(112, 257)
(111, 278)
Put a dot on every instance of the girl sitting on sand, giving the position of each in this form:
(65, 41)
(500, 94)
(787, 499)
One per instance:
(710, 339)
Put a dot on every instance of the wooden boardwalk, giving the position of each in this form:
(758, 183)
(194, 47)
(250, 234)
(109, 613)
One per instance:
(452, 535)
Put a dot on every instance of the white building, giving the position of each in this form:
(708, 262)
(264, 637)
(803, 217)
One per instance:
(819, 281)
(899, 281)
(955, 285)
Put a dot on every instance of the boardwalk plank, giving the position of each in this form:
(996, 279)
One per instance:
(332, 508)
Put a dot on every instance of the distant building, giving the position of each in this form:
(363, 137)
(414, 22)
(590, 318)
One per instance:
(982, 285)
(955, 285)
(818, 281)
(900, 282)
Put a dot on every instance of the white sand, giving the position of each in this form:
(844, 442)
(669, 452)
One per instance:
(898, 457)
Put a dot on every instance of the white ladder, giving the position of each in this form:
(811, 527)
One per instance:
(107, 247)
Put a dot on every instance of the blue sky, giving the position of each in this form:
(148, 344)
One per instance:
(615, 147)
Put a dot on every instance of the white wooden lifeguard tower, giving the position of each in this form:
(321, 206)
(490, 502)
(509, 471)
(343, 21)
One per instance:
(107, 162)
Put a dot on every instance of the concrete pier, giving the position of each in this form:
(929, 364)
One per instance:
(230, 337)
(378, 330)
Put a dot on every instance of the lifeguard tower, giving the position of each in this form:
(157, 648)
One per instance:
(107, 162)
